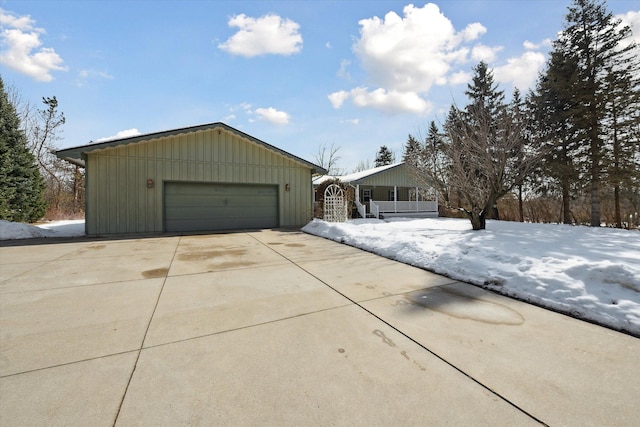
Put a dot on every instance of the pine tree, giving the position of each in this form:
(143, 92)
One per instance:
(517, 109)
(594, 37)
(485, 98)
(621, 125)
(484, 150)
(384, 157)
(412, 150)
(21, 185)
(554, 110)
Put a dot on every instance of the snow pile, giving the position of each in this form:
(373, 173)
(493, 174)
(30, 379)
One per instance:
(589, 273)
(17, 230)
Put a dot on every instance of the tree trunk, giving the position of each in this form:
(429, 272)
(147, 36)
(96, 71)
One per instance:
(76, 188)
(595, 151)
(566, 202)
(478, 220)
(520, 206)
(616, 197)
(595, 190)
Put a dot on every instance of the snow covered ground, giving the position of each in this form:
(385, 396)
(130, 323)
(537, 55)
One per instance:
(18, 230)
(589, 273)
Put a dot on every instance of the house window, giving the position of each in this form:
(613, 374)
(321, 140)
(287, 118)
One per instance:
(392, 195)
(366, 196)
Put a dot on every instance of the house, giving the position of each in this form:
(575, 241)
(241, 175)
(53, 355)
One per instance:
(391, 190)
(199, 178)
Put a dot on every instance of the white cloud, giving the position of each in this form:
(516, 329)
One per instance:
(120, 135)
(632, 19)
(338, 98)
(20, 22)
(414, 52)
(485, 53)
(22, 50)
(351, 121)
(85, 75)
(405, 56)
(535, 46)
(473, 31)
(272, 115)
(269, 34)
(380, 99)
(522, 71)
(460, 77)
(342, 72)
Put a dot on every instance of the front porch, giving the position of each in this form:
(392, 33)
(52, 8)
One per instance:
(413, 202)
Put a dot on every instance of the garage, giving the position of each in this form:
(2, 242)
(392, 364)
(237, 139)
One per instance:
(200, 178)
(207, 207)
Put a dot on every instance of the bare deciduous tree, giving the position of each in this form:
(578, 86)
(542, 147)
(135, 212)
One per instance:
(327, 158)
(42, 127)
(486, 158)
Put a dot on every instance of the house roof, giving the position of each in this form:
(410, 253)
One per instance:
(74, 154)
(357, 177)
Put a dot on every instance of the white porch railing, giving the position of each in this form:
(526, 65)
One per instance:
(402, 207)
(375, 210)
(362, 209)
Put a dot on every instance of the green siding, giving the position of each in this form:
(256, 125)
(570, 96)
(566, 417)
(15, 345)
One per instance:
(399, 176)
(118, 200)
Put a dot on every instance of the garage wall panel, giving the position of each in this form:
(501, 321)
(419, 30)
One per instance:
(118, 200)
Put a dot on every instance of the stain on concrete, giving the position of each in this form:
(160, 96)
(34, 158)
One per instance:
(155, 273)
(385, 339)
(295, 245)
(456, 303)
(229, 265)
(207, 255)
(95, 247)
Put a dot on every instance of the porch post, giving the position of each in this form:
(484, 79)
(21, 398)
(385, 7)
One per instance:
(437, 210)
(395, 199)
(417, 205)
(358, 192)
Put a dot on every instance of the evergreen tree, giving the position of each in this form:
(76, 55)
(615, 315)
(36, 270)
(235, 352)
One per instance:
(594, 37)
(433, 159)
(621, 124)
(484, 150)
(554, 109)
(517, 109)
(384, 157)
(21, 185)
(485, 98)
(485, 107)
(412, 150)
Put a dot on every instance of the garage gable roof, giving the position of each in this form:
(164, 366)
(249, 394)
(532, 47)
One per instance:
(74, 154)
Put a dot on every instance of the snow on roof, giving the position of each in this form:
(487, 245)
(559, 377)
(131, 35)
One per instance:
(356, 176)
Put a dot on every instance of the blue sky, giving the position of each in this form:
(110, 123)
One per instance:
(296, 74)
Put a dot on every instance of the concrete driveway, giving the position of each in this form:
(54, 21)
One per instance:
(278, 327)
